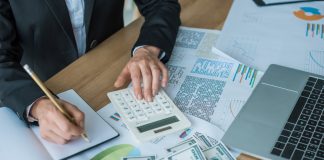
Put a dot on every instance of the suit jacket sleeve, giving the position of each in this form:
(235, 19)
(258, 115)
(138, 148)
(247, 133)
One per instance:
(17, 89)
(162, 20)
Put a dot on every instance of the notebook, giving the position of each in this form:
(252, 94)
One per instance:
(20, 142)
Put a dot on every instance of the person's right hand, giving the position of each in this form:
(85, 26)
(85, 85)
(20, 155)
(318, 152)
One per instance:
(53, 125)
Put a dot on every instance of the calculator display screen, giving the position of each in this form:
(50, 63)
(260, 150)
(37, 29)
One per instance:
(157, 124)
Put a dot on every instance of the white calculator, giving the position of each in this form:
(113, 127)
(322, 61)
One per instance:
(148, 120)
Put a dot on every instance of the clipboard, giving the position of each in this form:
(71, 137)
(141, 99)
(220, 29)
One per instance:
(262, 3)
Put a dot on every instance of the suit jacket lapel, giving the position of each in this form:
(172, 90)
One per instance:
(61, 13)
(88, 13)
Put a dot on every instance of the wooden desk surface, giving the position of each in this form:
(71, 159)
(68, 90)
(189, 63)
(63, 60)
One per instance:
(94, 74)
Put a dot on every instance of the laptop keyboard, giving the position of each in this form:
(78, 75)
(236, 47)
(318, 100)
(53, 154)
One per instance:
(303, 134)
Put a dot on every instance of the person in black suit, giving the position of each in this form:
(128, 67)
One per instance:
(50, 34)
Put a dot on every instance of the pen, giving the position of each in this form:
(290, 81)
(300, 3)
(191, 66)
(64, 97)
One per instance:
(52, 98)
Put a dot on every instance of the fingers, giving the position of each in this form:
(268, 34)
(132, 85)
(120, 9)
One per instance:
(156, 73)
(77, 115)
(53, 137)
(66, 125)
(55, 127)
(122, 78)
(60, 133)
(136, 80)
(165, 74)
(147, 81)
(147, 68)
(51, 132)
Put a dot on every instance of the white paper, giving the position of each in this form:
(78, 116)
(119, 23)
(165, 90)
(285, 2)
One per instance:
(213, 88)
(196, 41)
(260, 36)
(155, 147)
(97, 130)
(17, 141)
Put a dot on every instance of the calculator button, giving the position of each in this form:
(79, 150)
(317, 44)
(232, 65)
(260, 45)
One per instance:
(126, 109)
(150, 112)
(165, 103)
(129, 113)
(146, 108)
(138, 111)
(158, 110)
(135, 107)
(153, 104)
(131, 118)
(127, 95)
(159, 97)
(131, 102)
(119, 99)
(168, 109)
(121, 104)
(142, 117)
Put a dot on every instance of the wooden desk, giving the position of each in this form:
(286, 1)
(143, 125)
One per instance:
(93, 75)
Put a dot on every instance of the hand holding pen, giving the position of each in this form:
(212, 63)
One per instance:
(59, 121)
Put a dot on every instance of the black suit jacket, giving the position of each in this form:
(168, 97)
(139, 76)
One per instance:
(39, 33)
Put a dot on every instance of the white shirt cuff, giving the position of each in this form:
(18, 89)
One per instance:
(161, 56)
(28, 109)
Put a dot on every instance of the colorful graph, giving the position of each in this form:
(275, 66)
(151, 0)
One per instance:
(245, 73)
(185, 133)
(115, 117)
(308, 14)
(117, 152)
(315, 30)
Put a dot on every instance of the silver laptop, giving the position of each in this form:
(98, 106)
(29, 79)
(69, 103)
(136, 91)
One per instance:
(283, 118)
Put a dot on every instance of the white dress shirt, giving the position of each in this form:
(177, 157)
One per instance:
(76, 12)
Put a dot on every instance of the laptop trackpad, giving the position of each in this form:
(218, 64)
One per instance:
(261, 120)
(271, 106)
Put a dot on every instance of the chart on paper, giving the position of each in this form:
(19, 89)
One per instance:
(315, 62)
(275, 35)
(205, 87)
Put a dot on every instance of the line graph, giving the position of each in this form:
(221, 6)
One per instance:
(315, 62)
(226, 112)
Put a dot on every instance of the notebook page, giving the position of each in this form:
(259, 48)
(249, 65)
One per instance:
(16, 140)
(97, 129)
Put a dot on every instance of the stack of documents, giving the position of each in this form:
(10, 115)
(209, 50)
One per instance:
(206, 83)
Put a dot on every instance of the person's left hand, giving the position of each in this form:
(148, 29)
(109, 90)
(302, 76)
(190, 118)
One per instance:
(145, 67)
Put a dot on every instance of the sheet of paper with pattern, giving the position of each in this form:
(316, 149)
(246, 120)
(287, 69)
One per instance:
(213, 87)
(196, 41)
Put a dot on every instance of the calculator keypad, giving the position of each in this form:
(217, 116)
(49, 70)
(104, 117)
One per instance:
(140, 110)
